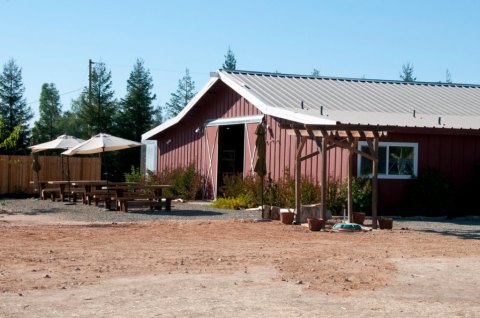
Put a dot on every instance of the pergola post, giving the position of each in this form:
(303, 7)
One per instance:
(324, 179)
(298, 176)
(375, 182)
(349, 187)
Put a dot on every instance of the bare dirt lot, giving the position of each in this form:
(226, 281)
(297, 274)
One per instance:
(234, 268)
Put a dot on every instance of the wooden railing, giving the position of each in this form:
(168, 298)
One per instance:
(16, 171)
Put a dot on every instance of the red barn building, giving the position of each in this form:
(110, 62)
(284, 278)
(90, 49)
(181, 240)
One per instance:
(430, 125)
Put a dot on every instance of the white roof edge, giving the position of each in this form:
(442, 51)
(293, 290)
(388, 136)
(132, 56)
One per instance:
(244, 92)
(273, 111)
(169, 123)
(235, 120)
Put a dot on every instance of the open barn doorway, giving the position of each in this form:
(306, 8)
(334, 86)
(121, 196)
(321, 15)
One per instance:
(230, 152)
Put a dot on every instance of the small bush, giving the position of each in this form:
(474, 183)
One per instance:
(134, 175)
(186, 182)
(230, 203)
(362, 194)
(336, 196)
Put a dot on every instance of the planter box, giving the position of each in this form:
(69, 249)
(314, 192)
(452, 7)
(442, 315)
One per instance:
(315, 224)
(358, 217)
(287, 217)
(385, 223)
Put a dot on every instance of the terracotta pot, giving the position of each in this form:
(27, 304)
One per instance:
(315, 224)
(275, 213)
(358, 217)
(385, 223)
(287, 217)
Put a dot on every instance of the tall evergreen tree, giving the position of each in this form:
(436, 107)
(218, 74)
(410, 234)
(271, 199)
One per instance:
(315, 72)
(70, 123)
(13, 106)
(183, 94)
(407, 73)
(230, 63)
(136, 110)
(98, 114)
(448, 76)
(47, 126)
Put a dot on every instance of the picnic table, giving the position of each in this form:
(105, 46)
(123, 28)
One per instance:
(91, 190)
(139, 195)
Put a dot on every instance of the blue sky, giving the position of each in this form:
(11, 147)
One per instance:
(52, 40)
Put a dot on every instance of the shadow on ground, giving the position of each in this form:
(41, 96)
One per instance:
(470, 226)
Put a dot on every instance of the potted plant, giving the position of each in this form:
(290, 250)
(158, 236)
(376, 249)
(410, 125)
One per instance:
(287, 217)
(358, 217)
(315, 224)
(385, 223)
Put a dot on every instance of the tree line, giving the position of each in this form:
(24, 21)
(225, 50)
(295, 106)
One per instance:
(95, 110)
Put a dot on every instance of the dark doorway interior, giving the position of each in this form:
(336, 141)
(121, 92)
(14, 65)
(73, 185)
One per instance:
(230, 151)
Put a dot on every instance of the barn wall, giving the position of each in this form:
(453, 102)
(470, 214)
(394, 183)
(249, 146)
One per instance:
(189, 142)
(454, 153)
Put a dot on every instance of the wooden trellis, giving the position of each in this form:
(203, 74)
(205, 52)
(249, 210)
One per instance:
(346, 137)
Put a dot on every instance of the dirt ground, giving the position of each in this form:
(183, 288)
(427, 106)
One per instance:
(232, 268)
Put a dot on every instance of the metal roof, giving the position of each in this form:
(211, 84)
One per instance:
(336, 100)
(361, 101)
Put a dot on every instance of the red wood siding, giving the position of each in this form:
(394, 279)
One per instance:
(455, 155)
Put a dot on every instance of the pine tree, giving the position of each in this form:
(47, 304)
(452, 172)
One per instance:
(136, 110)
(13, 106)
(47, 126)
(407, 73)
(70, 123)
(184, 93)
(230, 63)
(98, 115)
(448, 77)
(315, 72)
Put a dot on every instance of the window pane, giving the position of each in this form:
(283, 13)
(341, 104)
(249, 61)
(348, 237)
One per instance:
(400, 161)
(366, 167)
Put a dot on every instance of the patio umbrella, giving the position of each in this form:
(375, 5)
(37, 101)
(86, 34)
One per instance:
(261, 165)
(101, 143)
(61, 142)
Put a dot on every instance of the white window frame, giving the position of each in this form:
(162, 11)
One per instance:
(414, 145)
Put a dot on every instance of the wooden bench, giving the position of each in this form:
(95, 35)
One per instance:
(52, 193)
(123, 203)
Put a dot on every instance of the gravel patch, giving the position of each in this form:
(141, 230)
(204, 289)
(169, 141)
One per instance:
(465, 227)
(84, 213)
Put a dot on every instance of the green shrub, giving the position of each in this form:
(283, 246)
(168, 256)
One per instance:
(186, 182)
(362, 194)
(231, 203)
(336, 196)
(430, 194)
(134, 175)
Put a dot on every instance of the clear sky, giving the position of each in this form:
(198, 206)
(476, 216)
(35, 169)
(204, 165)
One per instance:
(52, 41)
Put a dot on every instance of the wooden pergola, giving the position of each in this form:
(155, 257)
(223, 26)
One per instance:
(329, 137)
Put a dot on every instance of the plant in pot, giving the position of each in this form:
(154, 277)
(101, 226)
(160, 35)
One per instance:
(362, 198)
(315, 224)
(385, 223)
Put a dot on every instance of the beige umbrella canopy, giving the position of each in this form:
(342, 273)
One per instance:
(101, 143)
(61, 142)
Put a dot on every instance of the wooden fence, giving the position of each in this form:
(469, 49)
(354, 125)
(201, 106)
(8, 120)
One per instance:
(16, 171)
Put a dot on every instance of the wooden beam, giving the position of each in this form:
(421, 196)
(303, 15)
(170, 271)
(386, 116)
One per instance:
(324, 188)
(298, 170)
(375, 185)
(313, 154)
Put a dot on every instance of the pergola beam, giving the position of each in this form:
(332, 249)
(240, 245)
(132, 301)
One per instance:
(345, 137)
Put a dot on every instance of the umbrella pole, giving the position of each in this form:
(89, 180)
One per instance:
(68, 184)
(263, 208)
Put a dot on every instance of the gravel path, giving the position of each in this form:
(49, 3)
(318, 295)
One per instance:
(85, 213)
(467, 227)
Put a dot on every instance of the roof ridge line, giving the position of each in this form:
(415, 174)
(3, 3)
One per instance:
(348, 79)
